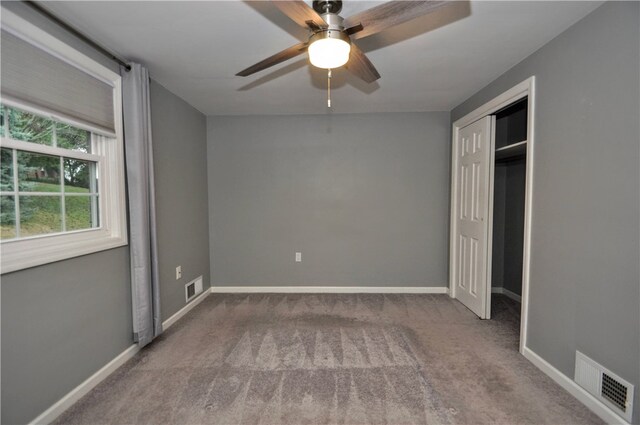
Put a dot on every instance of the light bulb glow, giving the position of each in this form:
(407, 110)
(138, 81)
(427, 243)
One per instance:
(329, 52)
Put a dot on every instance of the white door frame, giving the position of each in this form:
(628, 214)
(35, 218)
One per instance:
(520, 91)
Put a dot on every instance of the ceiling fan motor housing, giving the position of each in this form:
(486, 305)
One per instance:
(327, 6)
(334, 29)
(329, 33)
(334, 21)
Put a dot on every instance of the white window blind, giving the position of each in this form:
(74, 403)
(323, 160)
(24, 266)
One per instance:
(37, 78)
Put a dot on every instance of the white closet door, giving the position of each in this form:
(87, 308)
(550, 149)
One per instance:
(472, 223)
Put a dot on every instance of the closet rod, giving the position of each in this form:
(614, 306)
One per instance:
(103, 50)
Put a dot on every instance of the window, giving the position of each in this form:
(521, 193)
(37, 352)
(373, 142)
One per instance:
(61, 153)
(44, 193)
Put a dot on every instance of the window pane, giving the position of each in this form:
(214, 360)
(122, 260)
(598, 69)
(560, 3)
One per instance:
(78, 175)
(6, 169)
(2, 121)
(29, 128)
(38, 172)
(69, 137)
(78, 211)
(40, 215)
(7, 217)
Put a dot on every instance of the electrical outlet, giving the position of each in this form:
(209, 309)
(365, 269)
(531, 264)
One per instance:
(298, 257)
(178, 272)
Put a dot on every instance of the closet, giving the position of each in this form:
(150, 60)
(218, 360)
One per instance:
(509, 185)
(492, 157)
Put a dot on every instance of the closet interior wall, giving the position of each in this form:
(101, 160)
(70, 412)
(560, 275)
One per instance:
(509, 198)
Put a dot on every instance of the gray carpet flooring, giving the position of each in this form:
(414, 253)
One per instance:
(332, 359)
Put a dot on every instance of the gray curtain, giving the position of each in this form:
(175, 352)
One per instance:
(145, 286)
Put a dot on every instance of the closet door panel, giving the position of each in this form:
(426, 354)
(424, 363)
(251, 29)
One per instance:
(471, 224)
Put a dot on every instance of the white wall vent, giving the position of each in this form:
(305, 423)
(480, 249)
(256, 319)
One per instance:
(613, 391)
(193, 288)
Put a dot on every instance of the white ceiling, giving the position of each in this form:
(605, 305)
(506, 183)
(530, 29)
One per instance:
(432, 63)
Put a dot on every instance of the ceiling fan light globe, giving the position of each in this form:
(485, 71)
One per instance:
(329, 53)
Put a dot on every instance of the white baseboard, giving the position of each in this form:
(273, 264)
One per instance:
(332, 289)
(78, 392)
(595, 405)
(184, 310)
(507, 293)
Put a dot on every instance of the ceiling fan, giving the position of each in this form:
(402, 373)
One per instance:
(331, 38)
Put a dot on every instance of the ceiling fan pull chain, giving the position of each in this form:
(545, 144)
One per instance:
(329, 88)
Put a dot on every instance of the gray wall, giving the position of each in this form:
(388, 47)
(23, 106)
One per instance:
(365, 198)
(180, 160)
(61, 322)
(586, 209)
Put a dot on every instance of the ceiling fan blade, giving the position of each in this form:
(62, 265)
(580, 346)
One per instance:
(360, 65)
(282, 56)
(389, 14)
(300, 13)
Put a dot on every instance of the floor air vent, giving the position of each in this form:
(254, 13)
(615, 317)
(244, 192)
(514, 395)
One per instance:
(614, 391)
(192, 289)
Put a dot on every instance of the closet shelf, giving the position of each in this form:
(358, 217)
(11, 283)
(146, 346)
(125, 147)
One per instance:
(512, 150)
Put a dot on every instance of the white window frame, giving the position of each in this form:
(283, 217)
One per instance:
(18, 254)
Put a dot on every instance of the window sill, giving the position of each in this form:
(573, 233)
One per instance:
(23, 254)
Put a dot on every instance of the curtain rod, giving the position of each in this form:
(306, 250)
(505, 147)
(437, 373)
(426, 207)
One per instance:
(36, 6)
